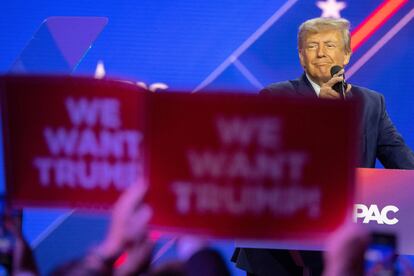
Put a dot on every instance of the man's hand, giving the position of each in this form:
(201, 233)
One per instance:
(344, 254)
(129, 223)
(127, 232)
(326, 89)
(24, 262)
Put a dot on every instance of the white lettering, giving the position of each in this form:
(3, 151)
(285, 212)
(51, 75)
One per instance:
(65, 172)
(211, 198)
(183, 193)
(43, 165)
(266, 131)
(133, 140)
(61, 140)
(88, 142)
(241, 165)
(206, 163)
(373, 213)
(360, 211)
(89, 112)
(384, 214)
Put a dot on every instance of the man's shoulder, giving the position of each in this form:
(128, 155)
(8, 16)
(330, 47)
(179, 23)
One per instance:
(281, 88)
(366, 94)
(299, 87)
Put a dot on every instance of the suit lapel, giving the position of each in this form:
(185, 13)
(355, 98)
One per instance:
(304, 87)
(350, 95)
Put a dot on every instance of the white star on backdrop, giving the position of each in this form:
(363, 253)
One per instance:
(331, 8)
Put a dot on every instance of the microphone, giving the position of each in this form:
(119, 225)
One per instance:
(339, 87)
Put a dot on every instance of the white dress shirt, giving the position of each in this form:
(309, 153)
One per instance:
(315, 86)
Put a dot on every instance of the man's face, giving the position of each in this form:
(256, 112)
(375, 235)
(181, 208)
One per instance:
(321, 51)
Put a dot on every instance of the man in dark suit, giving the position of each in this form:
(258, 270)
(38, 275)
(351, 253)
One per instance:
(380, 139)
(322, 44)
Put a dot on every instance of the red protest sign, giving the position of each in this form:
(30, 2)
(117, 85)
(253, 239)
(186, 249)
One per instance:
(231, 166)
(250, 166)
(70, 141)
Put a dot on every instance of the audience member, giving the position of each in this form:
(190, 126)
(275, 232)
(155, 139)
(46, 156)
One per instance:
(128, 234)
(22, 259)
(345, 250)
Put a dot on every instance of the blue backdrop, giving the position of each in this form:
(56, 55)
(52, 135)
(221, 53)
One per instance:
(220, 44)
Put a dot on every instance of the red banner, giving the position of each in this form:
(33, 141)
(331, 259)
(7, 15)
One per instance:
(70, 141)
(249, 166)
(217, 164)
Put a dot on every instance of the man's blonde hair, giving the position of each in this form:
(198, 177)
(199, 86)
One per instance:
(321, 24)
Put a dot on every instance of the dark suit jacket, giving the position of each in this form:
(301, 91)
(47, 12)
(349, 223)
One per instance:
(380, 140)
(206, 262)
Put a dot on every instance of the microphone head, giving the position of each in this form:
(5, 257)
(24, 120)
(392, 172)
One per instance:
(335, 69)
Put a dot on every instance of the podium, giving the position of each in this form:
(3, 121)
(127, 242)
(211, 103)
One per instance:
(383, 203)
